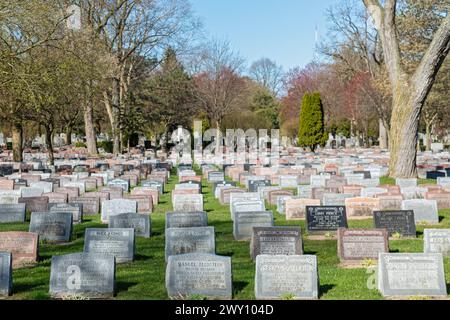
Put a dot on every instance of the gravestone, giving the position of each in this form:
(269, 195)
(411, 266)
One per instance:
(396, 222)
(199, 274)
(247, 206)
(52, 226)
(435, 174)
(91, 205)
(288, 181)
(186, 219)
(390, 202)
(188, 202)
(84, 275)
(47, 187)
(125, 185)
(304, 192)
(29, 192)
(117, 206)
(253, 185)
(118, 242)
(215, 176)
(280, 275)
(411, 274)
(435, 241)
(335, 199)
(442, 199)
(5, 273)
(372, 192)
(24, 247)
(190, 240)
(325, 218)
(35, 204)
(139, 222)
(12, 213)
(276, 241)
(114, 193)
(76, 209)
(402, 183)
(424, 210)
(361, 244)
(296, 208)
(361, 208)
(281, 203)
(244, 222)
(54, 197)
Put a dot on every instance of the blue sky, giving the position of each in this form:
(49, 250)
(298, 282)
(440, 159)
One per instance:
(282, 30)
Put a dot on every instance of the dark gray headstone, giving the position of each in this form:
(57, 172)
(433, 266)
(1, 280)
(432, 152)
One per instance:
(91, 205)
(397, 221)
(253, 185)
(186, 219)
(52, 226)
(118, 242)
(411, 274)
(12, 213)
(199, 274)
(280, 275)
(139, 222)
(5, 273)
(82, 275)
(276, 241)
(325, 218)
(190, 240)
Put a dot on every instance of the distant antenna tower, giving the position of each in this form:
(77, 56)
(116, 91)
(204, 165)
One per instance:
(316, 42)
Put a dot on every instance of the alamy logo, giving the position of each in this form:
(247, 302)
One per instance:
(74, 279)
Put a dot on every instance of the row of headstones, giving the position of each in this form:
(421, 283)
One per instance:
(264, 241)
(92, 272)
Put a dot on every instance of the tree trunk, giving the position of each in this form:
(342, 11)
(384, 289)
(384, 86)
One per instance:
(69, 136)
(218, 138)
(384, 144)
(17, 142)
(404, 133)
(115, 116)
(428, 136)
(49, 141)
(91, 139)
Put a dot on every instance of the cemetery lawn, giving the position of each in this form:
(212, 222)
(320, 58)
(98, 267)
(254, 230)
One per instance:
(145, 277)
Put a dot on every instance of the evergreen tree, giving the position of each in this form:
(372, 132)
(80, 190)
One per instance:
(312, 130)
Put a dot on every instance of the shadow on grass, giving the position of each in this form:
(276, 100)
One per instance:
(323, 289)
(25, 287)
(124, 286)
(441, 218)
(238, 286)
(141, 257)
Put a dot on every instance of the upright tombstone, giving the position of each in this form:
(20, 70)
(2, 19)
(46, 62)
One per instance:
(190, 240)
(76, 209)
(141, 223)
(296, 208)
(411, 274)
(424, 210)
(188, 202)
(5, 274)
(199, 274)
(35, 204)
(84, 275)
(335, 199)
(280, 275)
(244, 223)
(361, 208)
(325, 218)
(247, 206)
(118, 242)
(124, 184)
(396, 222)
(12, 213)
(186, 219)
(91, 205)
(117, 206)
(276, 241)
(356, 245)
(52, 226)
(24, 247)
(215, 176)
(435, 241)
(253, 185)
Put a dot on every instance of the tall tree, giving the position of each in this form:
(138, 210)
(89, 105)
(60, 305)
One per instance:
(409, 91)
(312, 130)
(268, 74)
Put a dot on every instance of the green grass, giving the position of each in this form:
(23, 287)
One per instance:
(145, 277)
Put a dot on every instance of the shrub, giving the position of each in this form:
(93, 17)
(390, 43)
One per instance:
(108, 146)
